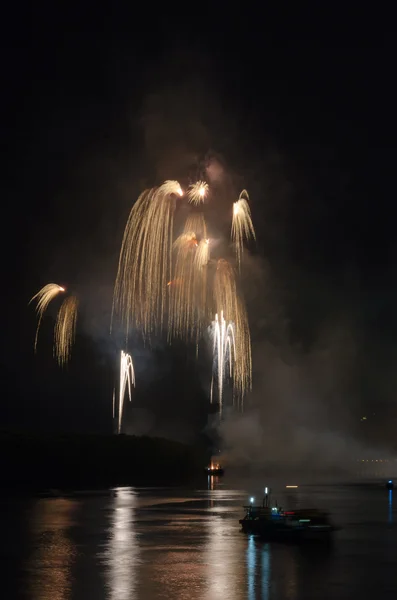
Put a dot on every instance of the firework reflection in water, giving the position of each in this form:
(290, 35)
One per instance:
(127, 380)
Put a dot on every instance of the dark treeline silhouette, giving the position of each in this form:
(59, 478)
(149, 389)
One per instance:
(42, 461)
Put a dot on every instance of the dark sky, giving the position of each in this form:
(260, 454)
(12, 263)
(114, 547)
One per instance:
(96, 106)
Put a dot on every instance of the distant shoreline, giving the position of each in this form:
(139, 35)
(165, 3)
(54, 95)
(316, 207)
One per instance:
(43, 462)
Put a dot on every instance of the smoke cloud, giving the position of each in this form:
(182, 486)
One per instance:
(301, 416)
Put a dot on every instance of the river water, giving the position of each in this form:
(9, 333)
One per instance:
(141, 543)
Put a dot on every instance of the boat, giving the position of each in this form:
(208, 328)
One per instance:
(275, 524)
(214, 469)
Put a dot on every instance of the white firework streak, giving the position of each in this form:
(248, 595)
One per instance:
(127, 380)
(224, 353)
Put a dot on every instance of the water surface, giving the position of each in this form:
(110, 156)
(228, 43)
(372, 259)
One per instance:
(135, 543)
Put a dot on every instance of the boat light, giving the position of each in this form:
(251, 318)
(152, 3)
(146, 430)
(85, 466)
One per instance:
(390, 481)
(252, 500)
(291, 486)
(266, 490)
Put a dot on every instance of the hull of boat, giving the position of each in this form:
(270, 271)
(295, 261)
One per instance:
(283, 533)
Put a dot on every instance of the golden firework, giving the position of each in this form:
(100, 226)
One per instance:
(144, 269)
(196, 222)
(242, 227)
(201, 261)
(242, 376)
(157, 279)
(197, 192)
(44, 297)
(202, 254)
(182, 319)
(185, 241)
(225, 289)
(65, 330)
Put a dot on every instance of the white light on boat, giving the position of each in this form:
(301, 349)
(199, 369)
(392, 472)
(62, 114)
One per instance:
(266, 490)
(252, 500)
(291, 486)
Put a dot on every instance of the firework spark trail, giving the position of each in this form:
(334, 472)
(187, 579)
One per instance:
(186, 241)
(242, 227)
(44, 296)
(201, 260)
(127, 380)
(228, 303)
(224, 353)
(145, 259)
(196, 222)
(242, 379)
(182, 314)
(225, 290)
(65, 330)
(202, 254)
(197, 192)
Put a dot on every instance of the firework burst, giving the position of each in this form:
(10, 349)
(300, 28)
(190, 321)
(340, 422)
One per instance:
(145, 259)
(161, 282)
(242, 227)
(127, 380)
(65, 330)
(197, 192)
(44, 297)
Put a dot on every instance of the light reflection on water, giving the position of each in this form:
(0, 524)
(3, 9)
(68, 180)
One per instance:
(265, 571)
(251, 567)
(258, 569)
(53, 552)
(145, 543)
(390, 506)
(122, 553)
(223, 573)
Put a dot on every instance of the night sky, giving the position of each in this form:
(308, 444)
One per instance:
(96, 108)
